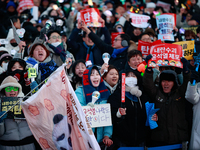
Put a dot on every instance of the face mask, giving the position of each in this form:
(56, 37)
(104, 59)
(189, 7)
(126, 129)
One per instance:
(56, 44)
(131, 81)
(5, 66)
(67, 5)
(14, 44)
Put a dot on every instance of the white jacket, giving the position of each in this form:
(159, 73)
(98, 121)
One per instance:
(193, 96)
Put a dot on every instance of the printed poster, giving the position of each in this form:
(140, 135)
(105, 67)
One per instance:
(91, 17)
(166, 55)
(140, 21)
(165, 24)
(188, 49)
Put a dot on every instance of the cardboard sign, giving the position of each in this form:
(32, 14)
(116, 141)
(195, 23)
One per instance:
(123, 87)
(164, 5)
(165, 24)
(7, 103)
(188, 49)
(145, 46)
(90, 16)
(140, 21)
(99, 115)
(114, 35)
(166, 55)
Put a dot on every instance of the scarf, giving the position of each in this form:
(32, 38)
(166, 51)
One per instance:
(118, 51)
(47, 69)
(131, 97)
(89, 89)
(59, 50)
(89, 55)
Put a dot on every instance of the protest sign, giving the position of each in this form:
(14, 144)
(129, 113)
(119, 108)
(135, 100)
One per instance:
(24, 4)
(193, 28)
(165, 24)
(99, 115)
(114, 35)
(7, 103)
(145, 46)
(188, 48)
(91, 17)
(166, 55)
(139, 21)
(164, 5)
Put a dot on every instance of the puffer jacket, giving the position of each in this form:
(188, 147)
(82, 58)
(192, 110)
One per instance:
(15, 134)
(172, 124)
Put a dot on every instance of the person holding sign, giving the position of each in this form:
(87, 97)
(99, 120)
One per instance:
(118, 51)
(128, 120)
(169, 97)
(92, 81)
(14, 134)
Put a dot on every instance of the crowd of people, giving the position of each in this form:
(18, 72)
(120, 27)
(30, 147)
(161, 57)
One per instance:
(60, 37)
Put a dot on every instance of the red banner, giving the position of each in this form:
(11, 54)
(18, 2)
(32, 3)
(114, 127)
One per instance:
(166, 55)
(144, 47)
(123, 87)
(114, 35)
(91, 16)
(25, 4)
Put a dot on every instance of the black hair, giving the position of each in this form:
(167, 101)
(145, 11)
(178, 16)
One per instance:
(52, 31)
(159, 7)
(14, 18)
(133, 53)
(125, 37)
(13, 61)
(76, 79)
(141, 35)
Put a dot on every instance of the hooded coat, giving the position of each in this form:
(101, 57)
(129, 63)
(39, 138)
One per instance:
(172, 125)
(192, 95)
(15, 134)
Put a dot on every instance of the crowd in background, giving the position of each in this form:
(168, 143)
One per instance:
(59, 37)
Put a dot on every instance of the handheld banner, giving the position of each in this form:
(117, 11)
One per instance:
(91, 17)
(114, 35)
(164, 5)
(53, 111)
(123, 87)
(145, 46)
(7, 103)
(193, 28)
(24, 4)
(166, 55)
(165, 24)
(99, 115)
(188, 48)
(140, 21)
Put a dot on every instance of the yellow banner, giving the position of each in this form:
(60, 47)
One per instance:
(188, 48)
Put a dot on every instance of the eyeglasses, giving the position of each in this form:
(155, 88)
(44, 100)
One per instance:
(10, 88)
(117, 40)
(56, 37)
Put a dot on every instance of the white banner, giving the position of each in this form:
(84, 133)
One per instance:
(139, 21)
(99, 115)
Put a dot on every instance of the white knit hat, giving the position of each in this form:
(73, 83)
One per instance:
(150, 5)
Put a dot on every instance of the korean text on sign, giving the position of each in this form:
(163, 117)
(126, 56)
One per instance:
(165, 24)
(140, 21)
(166, 55)
(99, 115)
(91, 16)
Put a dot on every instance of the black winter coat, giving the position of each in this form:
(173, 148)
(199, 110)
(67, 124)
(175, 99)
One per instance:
(172, 125)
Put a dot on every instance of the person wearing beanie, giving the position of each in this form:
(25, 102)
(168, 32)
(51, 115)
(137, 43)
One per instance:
(14, 133)
(4, 59)
(92, 82)
(169, 97)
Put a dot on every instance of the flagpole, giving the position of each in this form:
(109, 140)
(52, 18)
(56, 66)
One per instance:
(27, 94)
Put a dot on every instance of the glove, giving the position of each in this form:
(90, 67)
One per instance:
(135, 91)
(148, 58)
(90, 104)
(4, 117)
(17, 77)
(26, 79)
(194, 76)
(121, 112)
(185, 65)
